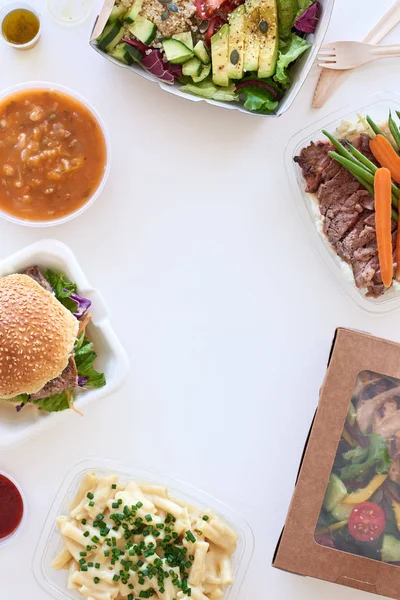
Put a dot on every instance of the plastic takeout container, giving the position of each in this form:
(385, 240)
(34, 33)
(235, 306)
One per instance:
(50, 543)
(111, 357)
(16, 531)
(299, 72)
(378, 108)
(34, 85)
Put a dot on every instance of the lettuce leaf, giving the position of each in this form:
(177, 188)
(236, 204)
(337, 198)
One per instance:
(54, 403)
(290, 50)
(362, 459)
(258, 99)
(85, 356)
(62, 289)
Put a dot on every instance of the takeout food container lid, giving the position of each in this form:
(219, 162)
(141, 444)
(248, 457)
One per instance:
(300, 71)
(297, 551)
(111, 357)
(47, 85)
(50, 543)
(377, 107)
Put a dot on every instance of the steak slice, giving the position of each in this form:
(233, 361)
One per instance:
(314, 163)
(35, 273)
(337, 190)
(342, 217)
(67, 379)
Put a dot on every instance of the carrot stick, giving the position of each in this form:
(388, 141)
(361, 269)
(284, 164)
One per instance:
(84, 322)
(71, 403)
(397, 257)
(383, 223)
(386, 156)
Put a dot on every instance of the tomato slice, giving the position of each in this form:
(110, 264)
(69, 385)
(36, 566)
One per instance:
(207, 8)
(214, 26)
(367, 521)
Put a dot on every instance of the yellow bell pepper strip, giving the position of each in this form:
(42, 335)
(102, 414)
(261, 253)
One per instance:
(346, 436)
(333, 527)
(365, 494)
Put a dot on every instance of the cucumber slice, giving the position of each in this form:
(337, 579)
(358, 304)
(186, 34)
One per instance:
(134, 53)
(342, 512)
(144, 30)
(390, 551)
(192, 68)
(106, 31)
(132, 14)
(186, 38)
(200, 50)
(113, 37)
(205, 71)
(335, 492)
(119, 53)
(176, 52)
(117, 13)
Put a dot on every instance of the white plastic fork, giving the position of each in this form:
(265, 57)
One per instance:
(349, 55)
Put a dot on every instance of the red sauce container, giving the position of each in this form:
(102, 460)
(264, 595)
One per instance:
(12, 507)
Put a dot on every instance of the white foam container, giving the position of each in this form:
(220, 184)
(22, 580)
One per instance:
(377, 107)
(299, 72)
(111, 357)
(50, 543)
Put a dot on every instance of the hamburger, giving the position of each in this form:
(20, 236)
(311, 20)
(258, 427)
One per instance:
(45, 355)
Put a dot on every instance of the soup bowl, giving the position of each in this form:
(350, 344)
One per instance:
(16, 90)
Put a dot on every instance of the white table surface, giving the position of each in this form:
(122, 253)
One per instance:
(225, 310)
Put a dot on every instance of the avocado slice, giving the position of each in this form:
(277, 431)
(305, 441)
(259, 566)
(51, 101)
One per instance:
(266, 19)
(390, 551)
(335, 492)
(219, 52)
(252, 46)
(236, 49)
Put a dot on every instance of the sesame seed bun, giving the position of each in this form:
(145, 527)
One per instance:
(37, 336)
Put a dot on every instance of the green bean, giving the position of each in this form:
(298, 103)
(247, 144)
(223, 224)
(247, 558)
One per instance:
(373, 126)
(394, 130)
(373, 168)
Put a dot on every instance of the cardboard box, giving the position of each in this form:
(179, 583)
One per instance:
(360, 368)
(300, 70)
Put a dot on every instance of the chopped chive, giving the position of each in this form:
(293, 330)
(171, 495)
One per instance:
(130, 596)
(90, 564)
(90, 495)
(82, 553)
(100, 517)
(139, 505)
(114, 486)
(116, 577)
(96, 580)
(86, 534)
(91, 503)
(148, 518)
(95, 539)
(106, 553)
(206, 518)
(83, 521)
(84, 568)
(89, 548)
(97, 565)
(115, 505)
(82, 561)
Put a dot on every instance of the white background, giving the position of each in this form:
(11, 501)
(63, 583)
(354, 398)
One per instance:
(225, 310)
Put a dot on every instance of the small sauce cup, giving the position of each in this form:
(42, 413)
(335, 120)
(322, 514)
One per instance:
(12, 500)
(5, 15)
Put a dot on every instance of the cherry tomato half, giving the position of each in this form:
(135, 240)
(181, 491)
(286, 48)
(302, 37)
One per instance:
(367, 521)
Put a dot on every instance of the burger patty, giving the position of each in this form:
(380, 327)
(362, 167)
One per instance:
(35, 273)
(69, 377)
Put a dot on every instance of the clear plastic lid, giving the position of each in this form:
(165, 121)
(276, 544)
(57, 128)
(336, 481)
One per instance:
(69, 12)
(50, 543)
(377, 107)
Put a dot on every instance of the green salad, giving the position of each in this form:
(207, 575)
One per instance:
(361, 508)
(229, 50)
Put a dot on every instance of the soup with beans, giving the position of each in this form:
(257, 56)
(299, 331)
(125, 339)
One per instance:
(52, 155)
